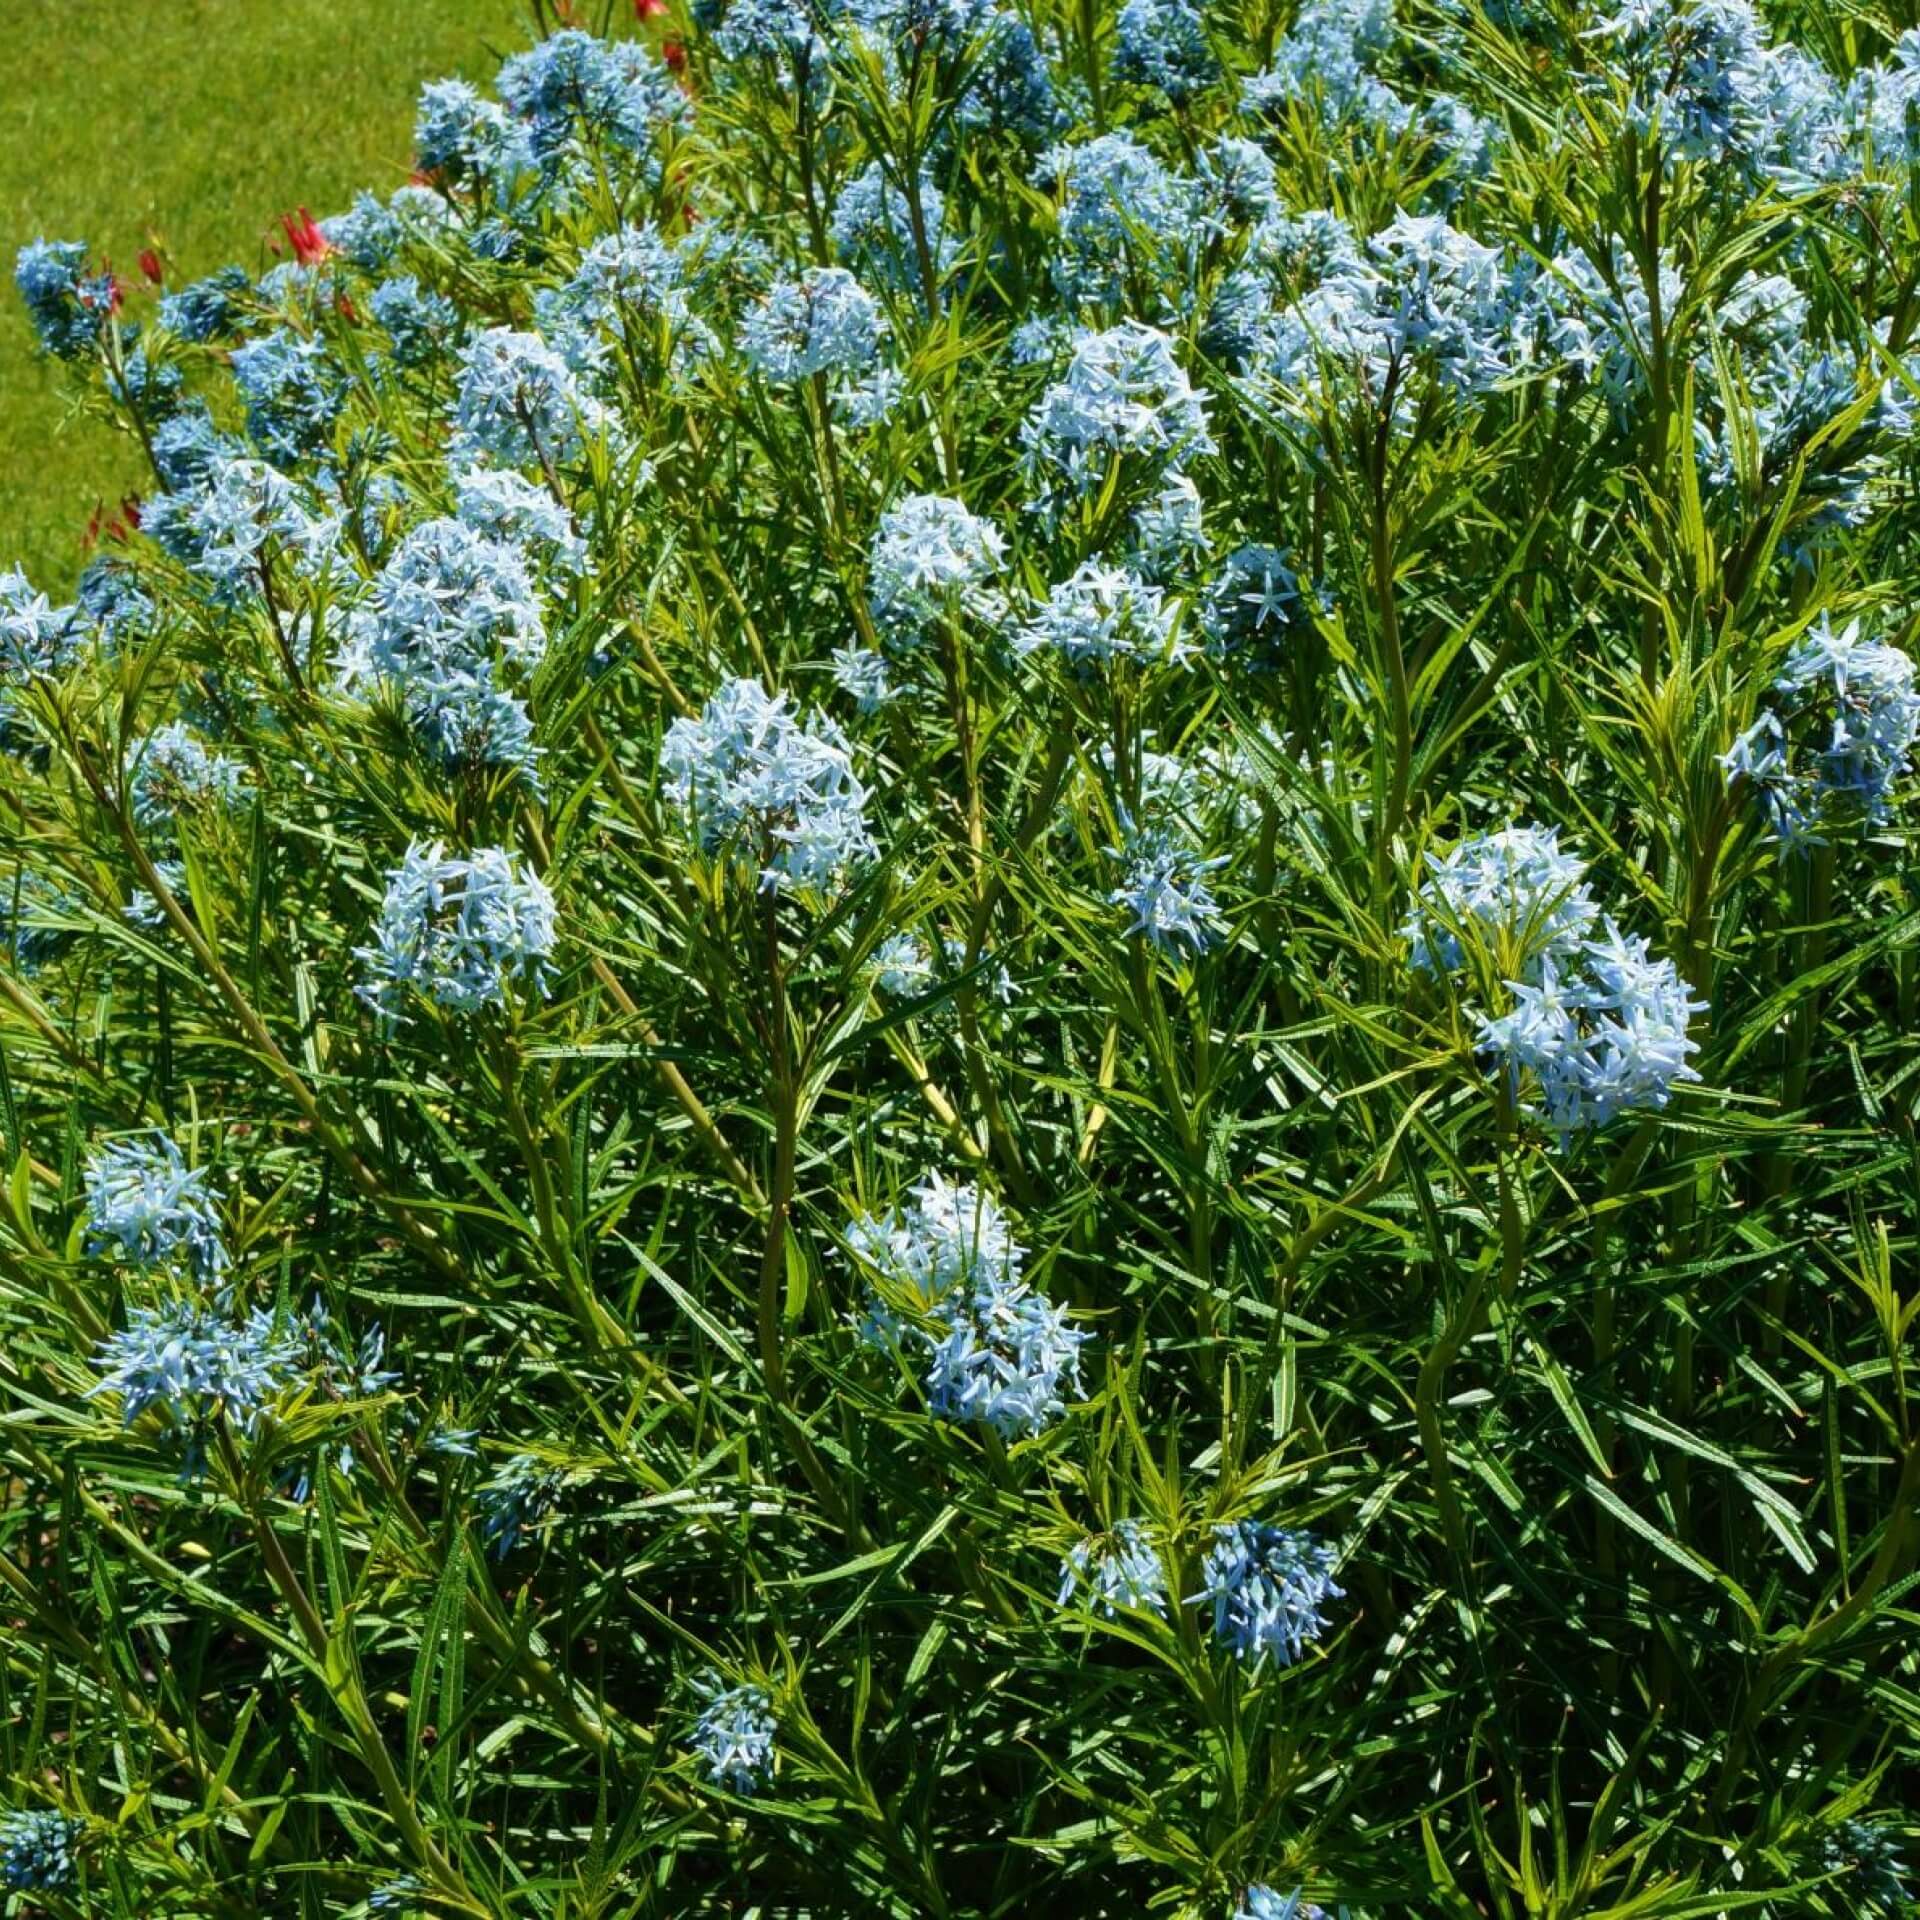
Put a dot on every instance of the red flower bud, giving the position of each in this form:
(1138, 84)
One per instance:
(309, 244)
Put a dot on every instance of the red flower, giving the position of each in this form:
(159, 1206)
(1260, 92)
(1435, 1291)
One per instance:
(674, 54)
(309, 244)
(152, 266)
(648, 9)
(118, 526)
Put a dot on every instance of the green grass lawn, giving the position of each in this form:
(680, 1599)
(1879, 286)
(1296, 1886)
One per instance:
(193, 122)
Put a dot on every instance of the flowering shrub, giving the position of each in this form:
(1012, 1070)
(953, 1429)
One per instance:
(966, 967)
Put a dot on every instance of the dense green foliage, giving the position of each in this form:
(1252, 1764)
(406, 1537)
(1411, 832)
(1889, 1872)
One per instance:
(1605, 1414)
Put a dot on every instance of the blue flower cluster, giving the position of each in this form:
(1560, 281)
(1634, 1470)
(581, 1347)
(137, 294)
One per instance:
(1124, 394)
(67, 304)
(734, 1735)
(177, 773)
(629, 287)
(520, 404)
(875, 230)
(402, 1894)
(1163, 887)
(37, 1849)
(1267, 1587)
(209, 309)
(1254, 606)
(1597, 1026)
(452, 615)
(1119, 1569)
(1873, 1870)
(1513, 892)
(523, 1498)
(1268, 1903)
(607, 93)
(1163, 44)
(513, 512)
(146, 1205)
(1829, 750)
(421, 324)
(945, 1274)
(929, 557)
(457, 931)
(237, 522)
(198, 1364)
(821, 321)
(293, 392)
(759, 784)
(36, 637)
(1104, 613)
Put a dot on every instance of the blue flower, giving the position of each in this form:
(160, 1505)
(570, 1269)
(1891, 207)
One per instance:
(209, 309)
(1164, 888)
(615, 91)
(1609, 1039)
(823, 322)
(1161, 43)
(293, 392)
(111, 597)
(861, 674)
(521, 1499)
(1010, 90)
(451, 613)
(147, 1205)
(368, 233)
(1122, 210)
(1267, 1903)
(1253, 606)
(1873, 1872)
(188, 447)
(1520, 894)
(1325, 60)
(758, 782)
(457, 931)
(1123, 394)
(36, 637)
(947, 1276)
(177, 772)
(1114, 1570)
(1103, 613)
(510, 510)
(194, 1362)
(1267, 1587)
(149, 386)
(1829, 752)
(927, 553)
(628, 286)
(873, 231)
(420, 323)
(402, 1894)
(67, 305)
(241, 518)
(36, 1850)
(783, 30)
(457, 133)
(734, 1735)
(519, 402)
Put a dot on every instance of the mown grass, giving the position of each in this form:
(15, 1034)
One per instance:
(191, 125)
